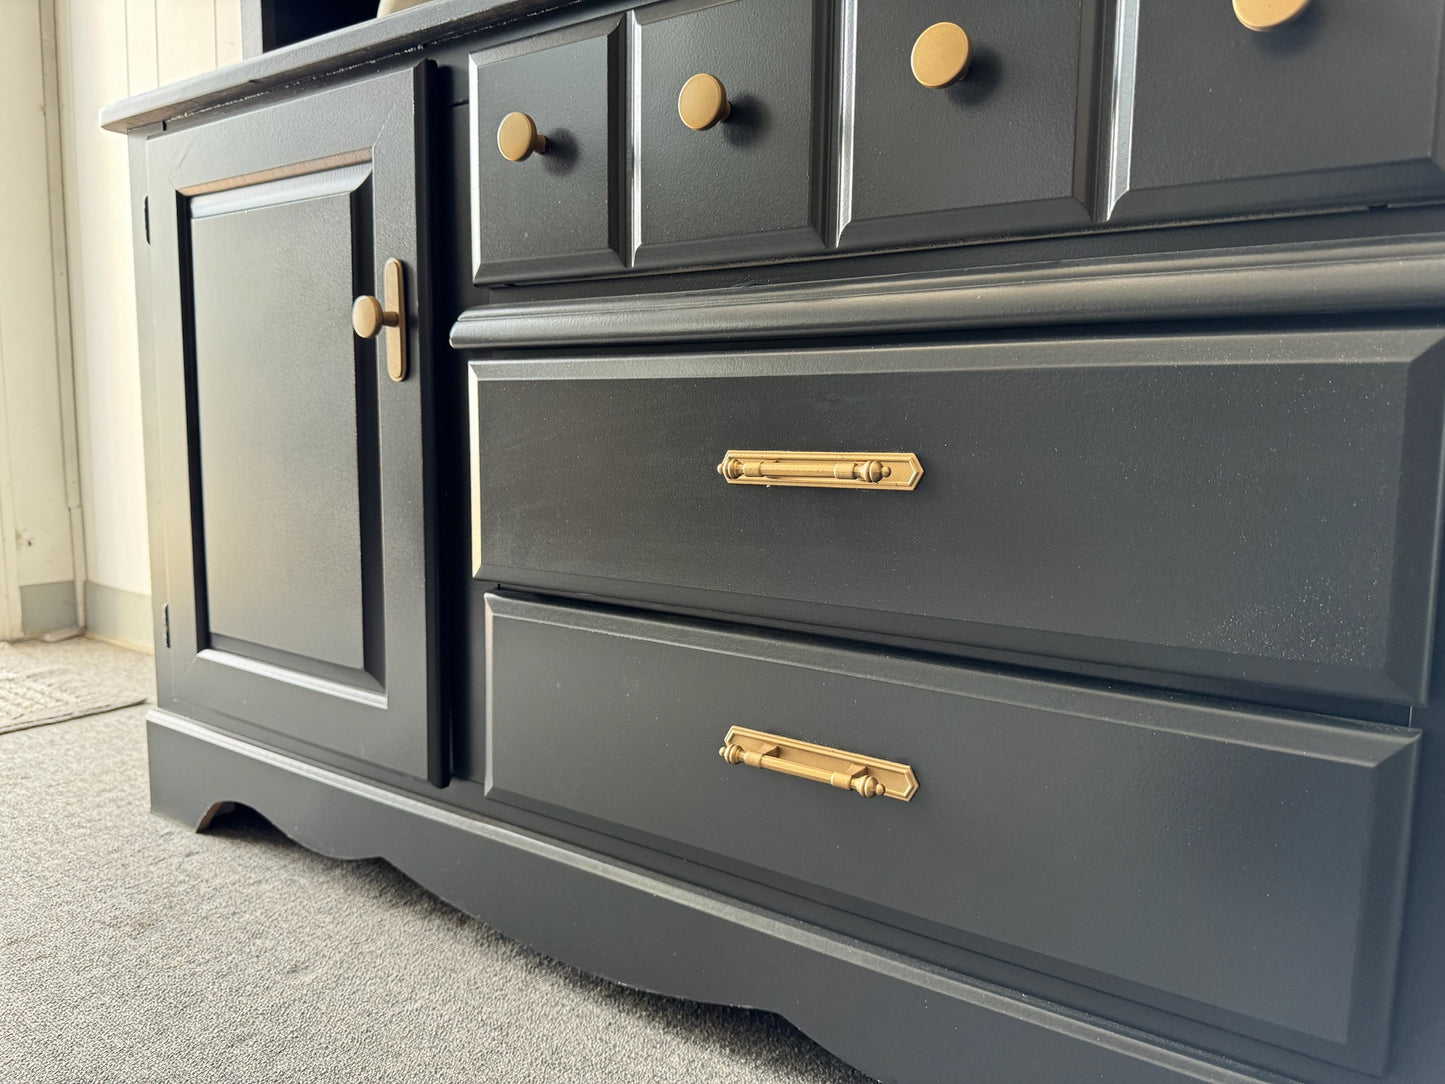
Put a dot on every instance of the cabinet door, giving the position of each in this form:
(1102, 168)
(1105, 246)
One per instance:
(291, 463)
(1339, 106)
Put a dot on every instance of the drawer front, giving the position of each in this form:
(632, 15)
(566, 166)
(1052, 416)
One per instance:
(1004, 149)
(749, 185)
(1257, 508)
(1242, 869)
(1340, 106)
(554, 212)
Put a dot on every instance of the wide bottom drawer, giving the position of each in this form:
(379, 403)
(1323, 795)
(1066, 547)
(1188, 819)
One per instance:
(1244, 869)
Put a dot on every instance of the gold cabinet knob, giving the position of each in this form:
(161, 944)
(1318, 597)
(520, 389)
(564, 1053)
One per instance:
(1268, 14)
(368, 317)
(703, 102)
(518, 138)
(941, 55)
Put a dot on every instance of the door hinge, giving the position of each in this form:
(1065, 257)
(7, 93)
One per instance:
(146, 211)
(166, 622)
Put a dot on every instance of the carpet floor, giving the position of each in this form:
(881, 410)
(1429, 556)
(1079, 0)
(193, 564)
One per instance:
(132, 949)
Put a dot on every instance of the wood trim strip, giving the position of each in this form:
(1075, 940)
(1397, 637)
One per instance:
(1268, 281)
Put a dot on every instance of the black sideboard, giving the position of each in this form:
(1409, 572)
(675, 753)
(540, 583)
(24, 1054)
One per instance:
(924, 517)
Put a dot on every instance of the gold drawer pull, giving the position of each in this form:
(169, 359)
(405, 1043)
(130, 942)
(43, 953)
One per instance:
(867, 776)
(1268, 14)
(827, 470)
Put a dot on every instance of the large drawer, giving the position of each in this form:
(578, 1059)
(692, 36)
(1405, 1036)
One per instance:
(1259, 508)
(1242, 869)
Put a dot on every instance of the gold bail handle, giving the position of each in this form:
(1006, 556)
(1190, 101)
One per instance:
(844, 470)
(869, 777)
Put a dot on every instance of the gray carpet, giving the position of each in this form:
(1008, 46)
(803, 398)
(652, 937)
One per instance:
(134, 950)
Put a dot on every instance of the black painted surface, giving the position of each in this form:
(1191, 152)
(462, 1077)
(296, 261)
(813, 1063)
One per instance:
(904, 1030)
(895, 1017)
(1004, 150)
(750, 186)
(557, 211)
(1255, 507)
(273, 449)
(1047, 288)
(291, 189)
(1341, 106)
(1247, 862)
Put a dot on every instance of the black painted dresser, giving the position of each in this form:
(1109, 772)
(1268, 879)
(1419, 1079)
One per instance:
(920, 515)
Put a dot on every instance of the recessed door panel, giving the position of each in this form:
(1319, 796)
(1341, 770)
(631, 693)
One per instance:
(276, 400)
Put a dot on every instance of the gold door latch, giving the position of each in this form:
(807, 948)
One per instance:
(867, 776)
(370, 316)
(826, 470)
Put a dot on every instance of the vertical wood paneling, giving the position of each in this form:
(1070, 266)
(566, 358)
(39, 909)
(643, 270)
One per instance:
(31, 422)
(93, 70)
(185, 38)
(140, 45)
(107, 51)
(228, 32)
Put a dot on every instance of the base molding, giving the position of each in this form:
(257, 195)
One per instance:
(893, 1017)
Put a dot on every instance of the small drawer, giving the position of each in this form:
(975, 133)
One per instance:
(1003, 147)
(1339, 105)
(748, 185)
(546, 152)
(1241, 869)
(1256, 508)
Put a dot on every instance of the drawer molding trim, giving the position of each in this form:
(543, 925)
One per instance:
(1326, 278)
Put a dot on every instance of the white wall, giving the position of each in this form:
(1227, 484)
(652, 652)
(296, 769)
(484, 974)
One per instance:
(38, 485)
(110, 49)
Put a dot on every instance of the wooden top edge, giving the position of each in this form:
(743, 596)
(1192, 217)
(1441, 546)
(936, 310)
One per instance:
(427, 24)
(1339, 277)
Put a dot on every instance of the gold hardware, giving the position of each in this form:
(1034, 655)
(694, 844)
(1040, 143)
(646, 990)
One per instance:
(518, 138)
(826, 470)
(941, 55)
(867, 776)
(1268, 14)
(703, 102)
(369, 316)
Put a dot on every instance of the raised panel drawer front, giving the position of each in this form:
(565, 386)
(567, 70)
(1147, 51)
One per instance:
(545, 135)
(1001, 148)
(1238, 868)
(1341, 105)
(748, 183)
(1259, 508)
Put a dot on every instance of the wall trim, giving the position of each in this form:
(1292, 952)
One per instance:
(119, 616)
(46, 607)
